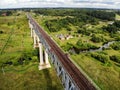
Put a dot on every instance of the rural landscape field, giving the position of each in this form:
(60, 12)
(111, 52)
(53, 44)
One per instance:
(89, 37)
(19, 60)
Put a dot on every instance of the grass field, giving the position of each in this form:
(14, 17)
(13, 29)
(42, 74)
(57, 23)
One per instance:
(117, 17)
(106, 76)
(29, 77)
(19, 61)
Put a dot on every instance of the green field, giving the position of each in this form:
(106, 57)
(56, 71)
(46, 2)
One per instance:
(105, 75)
(19, 60)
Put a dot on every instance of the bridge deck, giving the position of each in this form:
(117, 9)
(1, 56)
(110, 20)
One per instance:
(80, 80)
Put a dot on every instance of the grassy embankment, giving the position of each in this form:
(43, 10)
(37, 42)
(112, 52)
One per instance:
(19, 61)
(106, 76)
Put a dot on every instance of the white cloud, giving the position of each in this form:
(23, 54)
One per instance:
(60, 3)
(7, 2)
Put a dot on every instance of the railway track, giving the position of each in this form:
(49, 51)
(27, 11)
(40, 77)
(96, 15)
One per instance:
(81, 81)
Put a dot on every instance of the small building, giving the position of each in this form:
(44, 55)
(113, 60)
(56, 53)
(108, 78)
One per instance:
(64, 37)
(61, 37)
(68, 37)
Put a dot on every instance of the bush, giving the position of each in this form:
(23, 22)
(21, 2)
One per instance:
(35, 52)
(26, 62)
(97, 39)
(116, 46)
(111, 29)
(34, 59)
(84, 31)
(24, 57)
(83, 46)
(67, 47)
(115, 58)
(117, 23)
(102, 58)
(9, 62)
(15, 63)
(1, 32)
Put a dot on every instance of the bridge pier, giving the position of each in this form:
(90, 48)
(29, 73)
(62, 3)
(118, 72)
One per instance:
(44, 62)
(46, 57)
(41, 55)
(31, 28)
(31, 32)
(35, 39)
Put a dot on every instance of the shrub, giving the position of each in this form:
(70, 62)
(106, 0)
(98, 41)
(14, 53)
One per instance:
(117, 23)
(116, 46)
(67, 47)
(102, 58)
(97, 39)
(35, 52)
(115, 58)
(26, 62)
(9, 62)
(84, 31)
(34, 59)
(1, 32)
(84, 46)
(15, 63)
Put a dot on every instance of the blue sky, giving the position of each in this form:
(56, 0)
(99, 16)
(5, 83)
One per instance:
(114, 4)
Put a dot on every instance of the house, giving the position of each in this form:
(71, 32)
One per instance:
(64, 37)
(61, 37)
(68, 37)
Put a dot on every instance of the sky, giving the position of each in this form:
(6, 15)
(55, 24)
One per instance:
(111, 4)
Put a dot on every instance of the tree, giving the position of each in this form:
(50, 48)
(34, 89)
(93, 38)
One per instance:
(116, 46)
(117, 23)
(104, 15)
(102, 58)
(97, 39)
(115, 58)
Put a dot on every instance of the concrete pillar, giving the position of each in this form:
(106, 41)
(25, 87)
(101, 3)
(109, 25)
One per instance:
(41, 54)
(43, 64)
(31, 32)
(29, 24)
(34, 39)
(46, 57)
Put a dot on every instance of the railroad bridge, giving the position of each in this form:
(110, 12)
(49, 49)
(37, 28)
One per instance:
(70, 75)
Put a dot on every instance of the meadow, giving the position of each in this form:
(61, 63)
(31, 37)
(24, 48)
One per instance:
(19, 60)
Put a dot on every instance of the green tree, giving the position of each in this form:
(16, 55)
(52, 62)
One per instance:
(115, 58)
(102, 58)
